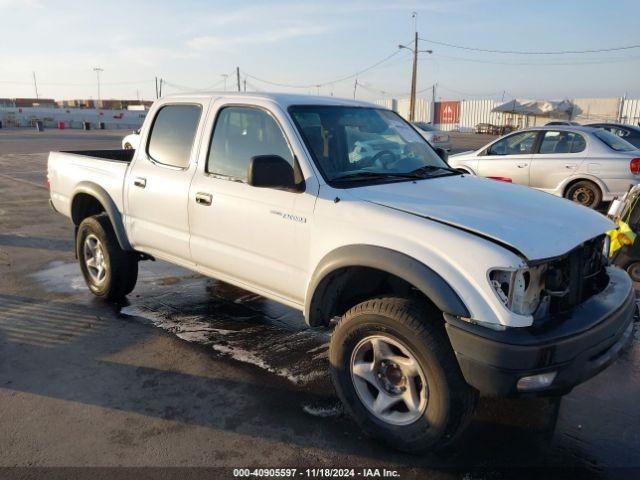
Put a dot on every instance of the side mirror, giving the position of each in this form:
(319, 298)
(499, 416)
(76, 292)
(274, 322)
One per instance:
(270, 171)
(442, 153)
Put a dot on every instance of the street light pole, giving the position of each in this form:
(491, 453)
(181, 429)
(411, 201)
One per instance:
(414, 75)
(98, 70)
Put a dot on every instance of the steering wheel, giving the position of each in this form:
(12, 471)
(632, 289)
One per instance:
(377, 158)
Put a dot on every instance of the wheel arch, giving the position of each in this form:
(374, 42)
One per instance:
(329, 292)
(581, 178)
(89, 199)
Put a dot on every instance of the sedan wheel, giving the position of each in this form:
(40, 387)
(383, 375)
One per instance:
(584, 193)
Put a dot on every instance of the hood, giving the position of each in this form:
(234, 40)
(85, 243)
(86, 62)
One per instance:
(536, 224)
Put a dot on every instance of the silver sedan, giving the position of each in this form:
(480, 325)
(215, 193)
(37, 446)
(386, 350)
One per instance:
(583, 164)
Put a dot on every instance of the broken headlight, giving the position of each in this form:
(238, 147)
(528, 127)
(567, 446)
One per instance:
(519, 290)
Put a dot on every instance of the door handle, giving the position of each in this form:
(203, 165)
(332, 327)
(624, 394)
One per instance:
(140, 182)
(204, 198)
(522, 165)
(570, 165)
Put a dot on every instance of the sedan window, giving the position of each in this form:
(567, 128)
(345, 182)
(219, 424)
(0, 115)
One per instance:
(562, 142)
(516, 144)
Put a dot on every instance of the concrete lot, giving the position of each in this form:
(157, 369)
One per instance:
(193, 372)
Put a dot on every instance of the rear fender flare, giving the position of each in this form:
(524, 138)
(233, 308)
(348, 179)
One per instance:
(110, 208)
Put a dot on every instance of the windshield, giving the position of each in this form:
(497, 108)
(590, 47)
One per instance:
(614, 141)
(365, 144)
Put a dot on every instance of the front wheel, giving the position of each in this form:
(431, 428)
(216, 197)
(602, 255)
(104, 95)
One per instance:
(395, 371)
(110, 272)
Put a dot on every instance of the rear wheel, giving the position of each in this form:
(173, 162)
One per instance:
(110, 272)
(634, 271)
(395, 371)
(585, 193)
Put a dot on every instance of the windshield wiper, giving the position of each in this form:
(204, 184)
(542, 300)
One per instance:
(375, 175)
(427, 169)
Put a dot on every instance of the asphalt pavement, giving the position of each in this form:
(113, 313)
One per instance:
(191, 372)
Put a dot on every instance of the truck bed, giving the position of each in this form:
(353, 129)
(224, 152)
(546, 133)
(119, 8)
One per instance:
(69, 171)
(113, 155)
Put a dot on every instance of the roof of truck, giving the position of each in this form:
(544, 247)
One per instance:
(282, 99)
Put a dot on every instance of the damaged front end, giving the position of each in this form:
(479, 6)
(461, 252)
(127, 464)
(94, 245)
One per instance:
(553, 286)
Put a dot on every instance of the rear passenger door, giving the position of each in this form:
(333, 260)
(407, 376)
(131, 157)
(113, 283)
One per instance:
(157, 185)
(560, 155)
(509, 157)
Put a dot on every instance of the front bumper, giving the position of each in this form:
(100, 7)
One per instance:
(577, 345)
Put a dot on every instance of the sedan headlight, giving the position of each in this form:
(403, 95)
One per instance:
(519, 290)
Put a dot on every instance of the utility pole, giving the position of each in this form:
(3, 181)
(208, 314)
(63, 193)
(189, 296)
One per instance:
(238, 77)
(160, 89)
(414, 73)
(35, 84)
(225, 76)
(355, 87)
(156, 88)
(245, 84)
(98, 70)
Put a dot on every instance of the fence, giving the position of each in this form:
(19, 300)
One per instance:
(71, 117)
(464, 115)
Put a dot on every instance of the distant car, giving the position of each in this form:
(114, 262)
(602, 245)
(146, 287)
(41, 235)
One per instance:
(583, 164)
(562, 122)
(435, 137)
(484, 128)
(131, 141)
(630, 133)
(490, 129)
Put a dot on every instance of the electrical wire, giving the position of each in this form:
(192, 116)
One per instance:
(323, 84)
(530, 52)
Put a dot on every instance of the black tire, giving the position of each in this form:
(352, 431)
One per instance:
(121, 267)
(633, 269)
(585, 193)
(451, 401)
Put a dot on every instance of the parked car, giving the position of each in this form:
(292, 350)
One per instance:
(562, 122)
(630, 133)
(444, 284)
(490, 129)
(435, 137)
(131, 141)
(583, 164)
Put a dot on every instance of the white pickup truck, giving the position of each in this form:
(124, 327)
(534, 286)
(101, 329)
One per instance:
(444, 284)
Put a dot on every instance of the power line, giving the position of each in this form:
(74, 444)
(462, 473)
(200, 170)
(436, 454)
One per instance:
(323, 84)
(586, 62)
(530, 52)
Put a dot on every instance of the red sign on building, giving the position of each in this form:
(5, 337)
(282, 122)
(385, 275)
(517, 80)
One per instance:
(447, 112)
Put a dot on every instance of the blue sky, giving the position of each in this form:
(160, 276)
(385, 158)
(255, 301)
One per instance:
(193, 42)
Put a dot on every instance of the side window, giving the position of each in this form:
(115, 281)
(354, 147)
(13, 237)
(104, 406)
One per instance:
(620, 132)
(562, 142)
(241, 133)
(516, 144)
(172, 134)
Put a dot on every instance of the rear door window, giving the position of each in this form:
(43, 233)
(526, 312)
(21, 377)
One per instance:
(562, 142)
(172, 135)
(613, 141)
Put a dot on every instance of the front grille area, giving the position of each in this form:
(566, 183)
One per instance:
(577, 276)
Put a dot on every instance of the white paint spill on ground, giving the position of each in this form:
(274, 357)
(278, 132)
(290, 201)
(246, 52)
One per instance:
(61, 277)
(177, 301)
(323, 412)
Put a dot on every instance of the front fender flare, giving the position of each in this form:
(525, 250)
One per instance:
(110, 208)
(430, 283)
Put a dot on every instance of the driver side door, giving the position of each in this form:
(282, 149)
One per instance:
(510, 157)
